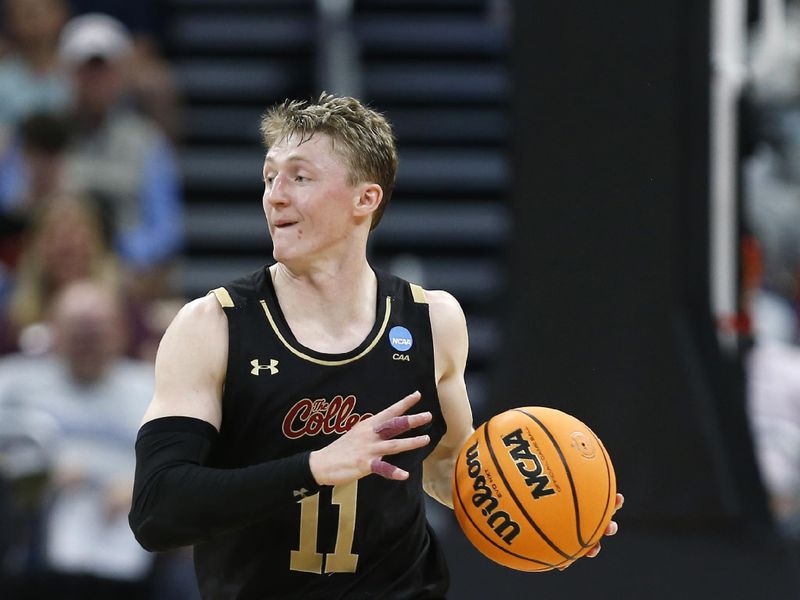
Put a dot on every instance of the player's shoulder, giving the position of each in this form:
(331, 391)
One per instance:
(449, 329)
(448, 323)
(204, 307)
(444, 306)
(441, 298)
(198, 335)
(199, 317)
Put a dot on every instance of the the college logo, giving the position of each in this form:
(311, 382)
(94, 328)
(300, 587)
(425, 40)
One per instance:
(257, 368)
(400, 338)
(528, 464)
(310, 417)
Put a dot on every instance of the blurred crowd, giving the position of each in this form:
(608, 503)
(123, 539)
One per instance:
(771, 265)
(91, 225)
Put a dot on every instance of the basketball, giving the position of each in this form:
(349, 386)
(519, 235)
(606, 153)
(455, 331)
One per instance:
(533, 489)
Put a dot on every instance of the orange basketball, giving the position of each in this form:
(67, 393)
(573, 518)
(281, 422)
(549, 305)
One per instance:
(534, 488)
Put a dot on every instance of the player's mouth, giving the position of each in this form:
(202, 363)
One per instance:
(283, 224)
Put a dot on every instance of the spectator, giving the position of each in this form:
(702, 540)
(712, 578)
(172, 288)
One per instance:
(118, 156)
(27, 186)
(771, 198)
(26, 437)
(5, 529)
(153, 86)
(66, 243)
(771, 134)
(30, 74)
(44, 139)
(96, 397)
(774, 406)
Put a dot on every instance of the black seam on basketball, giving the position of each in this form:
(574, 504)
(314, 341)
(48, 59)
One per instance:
(569, 476)
(465, 512)
(541, 533)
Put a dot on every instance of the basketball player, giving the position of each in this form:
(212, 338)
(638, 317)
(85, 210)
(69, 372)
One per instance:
(275, 441)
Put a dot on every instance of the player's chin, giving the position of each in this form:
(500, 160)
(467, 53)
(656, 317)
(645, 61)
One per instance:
(281, 252)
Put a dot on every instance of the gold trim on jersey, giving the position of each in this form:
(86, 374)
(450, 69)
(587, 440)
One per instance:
(223, 297)
(329, 363)
(418, 293)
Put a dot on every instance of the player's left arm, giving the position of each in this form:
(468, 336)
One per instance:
(450, 348)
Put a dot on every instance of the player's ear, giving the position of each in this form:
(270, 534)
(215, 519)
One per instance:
(369, 199)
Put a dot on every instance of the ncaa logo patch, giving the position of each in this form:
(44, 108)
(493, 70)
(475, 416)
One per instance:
(400, 338)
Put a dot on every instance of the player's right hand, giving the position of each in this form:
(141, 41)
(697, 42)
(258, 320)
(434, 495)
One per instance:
(360, 451)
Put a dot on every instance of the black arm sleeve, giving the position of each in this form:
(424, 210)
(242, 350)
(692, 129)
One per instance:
(177, 501)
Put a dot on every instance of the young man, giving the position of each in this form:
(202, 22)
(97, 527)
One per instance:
(275, 442)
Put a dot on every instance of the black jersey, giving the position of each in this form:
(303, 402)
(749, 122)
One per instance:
(368, 539)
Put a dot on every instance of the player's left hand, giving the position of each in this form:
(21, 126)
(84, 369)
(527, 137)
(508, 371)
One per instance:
(360, 451)
(610, 530)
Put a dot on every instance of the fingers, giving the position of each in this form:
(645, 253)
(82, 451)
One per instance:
(384, 469)
(397, 425)
(392, 427)
(611, 529)
(398, 408)
(594, 551)
(403, 445)
(389, 471)
(382, 440)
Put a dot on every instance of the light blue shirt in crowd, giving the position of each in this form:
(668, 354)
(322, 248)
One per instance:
(24, 92)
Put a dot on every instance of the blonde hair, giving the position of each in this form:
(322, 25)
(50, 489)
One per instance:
(364, 135)
(35, 285)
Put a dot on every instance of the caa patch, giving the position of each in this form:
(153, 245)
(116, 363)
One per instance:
(400, 338)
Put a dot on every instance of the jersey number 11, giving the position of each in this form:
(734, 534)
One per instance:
(342, 560)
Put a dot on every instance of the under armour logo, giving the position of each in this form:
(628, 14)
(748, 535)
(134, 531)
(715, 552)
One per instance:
(301, 493)
(272, 366)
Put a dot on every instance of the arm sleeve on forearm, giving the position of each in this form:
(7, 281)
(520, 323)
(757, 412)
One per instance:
(177, 501)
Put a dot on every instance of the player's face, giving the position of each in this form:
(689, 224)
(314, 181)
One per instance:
(308, 199)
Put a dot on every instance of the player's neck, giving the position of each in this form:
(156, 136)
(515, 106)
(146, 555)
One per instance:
(330, 308)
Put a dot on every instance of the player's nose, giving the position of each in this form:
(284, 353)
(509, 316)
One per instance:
(277, 192)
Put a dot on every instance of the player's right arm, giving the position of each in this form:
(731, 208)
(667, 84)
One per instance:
(177, 500)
